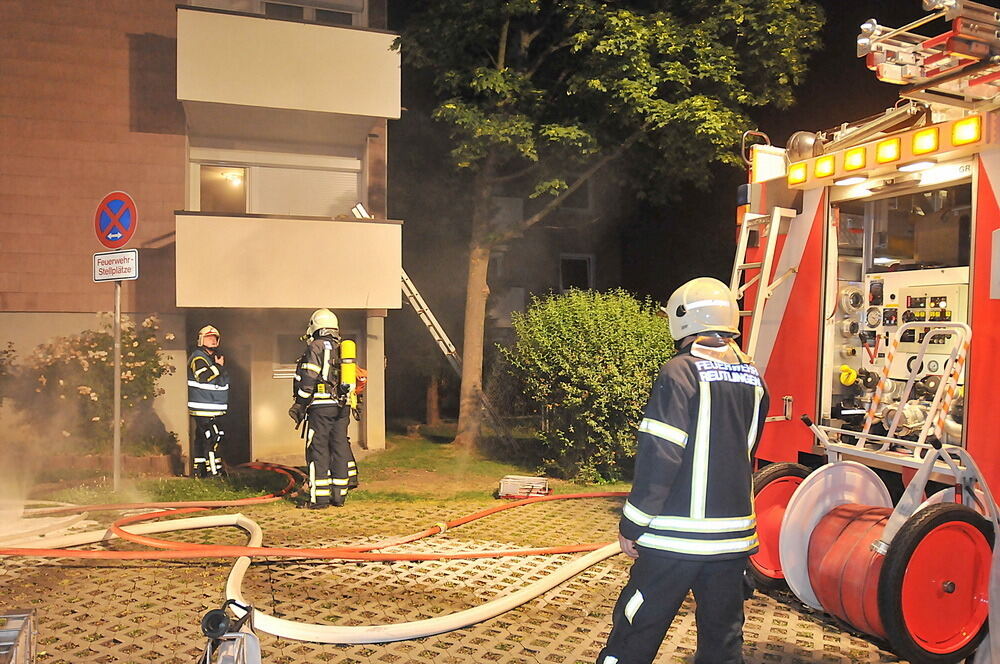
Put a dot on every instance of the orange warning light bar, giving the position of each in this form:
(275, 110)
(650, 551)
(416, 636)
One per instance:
(887, 150)
(967, 130)
(924, 141)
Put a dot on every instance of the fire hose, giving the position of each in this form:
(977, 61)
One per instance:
(138, 533)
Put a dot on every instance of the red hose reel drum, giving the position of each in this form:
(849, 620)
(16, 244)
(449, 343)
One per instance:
(928, 596)
(773, 487)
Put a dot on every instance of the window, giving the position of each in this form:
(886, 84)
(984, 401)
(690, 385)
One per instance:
(927, 229)
(277, 10)
(329, 17)
(223, 189)
(288, 348)
(575, 271)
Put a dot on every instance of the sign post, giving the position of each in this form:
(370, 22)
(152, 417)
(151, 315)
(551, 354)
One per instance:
(115, 223)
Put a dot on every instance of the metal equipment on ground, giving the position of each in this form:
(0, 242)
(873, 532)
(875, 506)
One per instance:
(17, 637)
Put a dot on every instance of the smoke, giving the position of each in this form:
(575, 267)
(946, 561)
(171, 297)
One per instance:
(17, 467)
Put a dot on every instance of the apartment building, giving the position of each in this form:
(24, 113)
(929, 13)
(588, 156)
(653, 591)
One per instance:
(245, 131)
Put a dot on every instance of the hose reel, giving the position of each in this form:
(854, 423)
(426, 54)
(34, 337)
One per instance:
(927, 594)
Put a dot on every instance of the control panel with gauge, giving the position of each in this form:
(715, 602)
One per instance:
(892, 299)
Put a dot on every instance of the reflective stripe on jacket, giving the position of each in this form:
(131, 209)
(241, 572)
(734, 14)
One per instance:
(692, 496)
(208, 385)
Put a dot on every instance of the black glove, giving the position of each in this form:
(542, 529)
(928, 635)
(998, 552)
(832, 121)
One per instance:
(298, 413)
(357, 414)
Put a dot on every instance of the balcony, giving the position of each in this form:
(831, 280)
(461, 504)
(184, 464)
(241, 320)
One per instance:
(257, 261)
(244, 72)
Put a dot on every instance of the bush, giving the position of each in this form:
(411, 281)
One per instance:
(66, 388)
(587, 361)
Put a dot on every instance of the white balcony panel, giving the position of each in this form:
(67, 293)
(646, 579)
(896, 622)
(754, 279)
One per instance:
(254, 61)
(274, 262)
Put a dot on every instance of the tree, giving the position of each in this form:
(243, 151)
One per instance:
(539, 95)
(586, 361)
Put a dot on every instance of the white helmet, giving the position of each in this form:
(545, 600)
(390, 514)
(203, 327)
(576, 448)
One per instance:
(702, 305)
(207, 331)
(322, 319)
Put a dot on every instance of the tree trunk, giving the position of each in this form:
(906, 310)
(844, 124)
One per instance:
(470, 412)
(433, 400)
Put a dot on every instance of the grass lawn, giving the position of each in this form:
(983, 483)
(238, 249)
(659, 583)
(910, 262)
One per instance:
(411, 468)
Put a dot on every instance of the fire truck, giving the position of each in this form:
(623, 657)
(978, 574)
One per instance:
(868, 271)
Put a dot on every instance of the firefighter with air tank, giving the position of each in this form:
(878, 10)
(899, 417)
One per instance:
(325, 394)
(208, 399)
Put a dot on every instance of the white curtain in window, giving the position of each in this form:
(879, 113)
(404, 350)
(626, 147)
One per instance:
(301, 192)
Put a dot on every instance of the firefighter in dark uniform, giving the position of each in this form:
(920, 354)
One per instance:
(689, 520)
(322, 404)
(208, 399)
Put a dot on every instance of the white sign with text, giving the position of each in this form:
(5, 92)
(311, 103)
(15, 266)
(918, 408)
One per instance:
(116, 265)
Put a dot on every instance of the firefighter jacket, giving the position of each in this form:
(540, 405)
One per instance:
(208, 385)
(317, 374)
(692, 496)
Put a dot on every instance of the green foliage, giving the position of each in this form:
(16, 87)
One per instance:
(559, 82)
(587, 361)
(65, 388)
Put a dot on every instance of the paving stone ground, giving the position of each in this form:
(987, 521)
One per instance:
(149, 611)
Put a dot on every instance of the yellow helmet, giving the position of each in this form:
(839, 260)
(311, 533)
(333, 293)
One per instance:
(208, 331)
(702, 305)
(322, 319)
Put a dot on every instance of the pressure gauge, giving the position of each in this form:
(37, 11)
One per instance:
(850, 328)
(873, 316)
(851, 299)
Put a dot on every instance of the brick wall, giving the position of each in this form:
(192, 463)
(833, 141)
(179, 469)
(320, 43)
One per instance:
(87, 106)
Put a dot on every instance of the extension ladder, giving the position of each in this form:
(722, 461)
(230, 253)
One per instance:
(746, 274)
(426, 316)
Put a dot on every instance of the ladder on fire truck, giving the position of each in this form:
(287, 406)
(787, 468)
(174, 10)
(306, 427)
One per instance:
(959, 67)
(747, 274)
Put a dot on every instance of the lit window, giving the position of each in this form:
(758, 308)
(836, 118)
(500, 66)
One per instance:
(223, 189)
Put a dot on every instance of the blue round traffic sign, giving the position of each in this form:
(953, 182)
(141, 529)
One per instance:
(116, 220)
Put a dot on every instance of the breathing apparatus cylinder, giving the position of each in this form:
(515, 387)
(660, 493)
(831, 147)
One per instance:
(349, 371)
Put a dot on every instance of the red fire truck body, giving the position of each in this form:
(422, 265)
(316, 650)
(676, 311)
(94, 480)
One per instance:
(898, 225)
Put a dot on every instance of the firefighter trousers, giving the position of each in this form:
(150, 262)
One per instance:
(328, 453)
(656, 589)
(206, 450)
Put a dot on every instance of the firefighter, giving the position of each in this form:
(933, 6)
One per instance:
(208, 398)
(689, 520)
(323, 405)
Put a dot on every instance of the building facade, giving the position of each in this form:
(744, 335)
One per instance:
(245, 131)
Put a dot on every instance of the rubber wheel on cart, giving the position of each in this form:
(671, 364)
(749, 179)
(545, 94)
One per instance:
(933, 594)
(773, 487)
